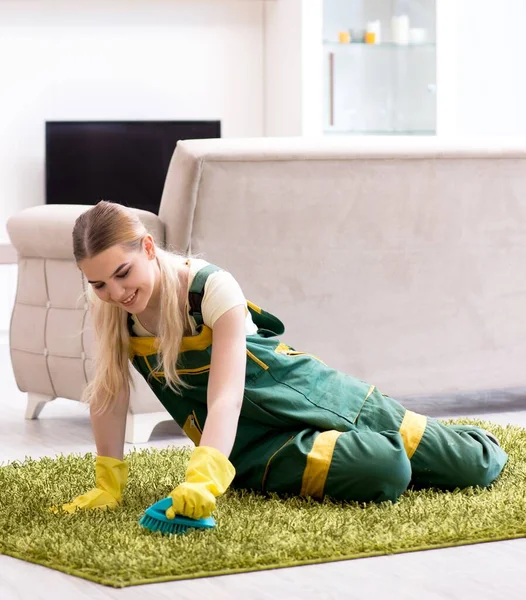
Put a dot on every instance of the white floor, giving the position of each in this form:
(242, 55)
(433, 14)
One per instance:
(483, 571)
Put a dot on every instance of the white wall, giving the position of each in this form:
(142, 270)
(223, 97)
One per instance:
(490, 74)
(293, 93)
(120, 59)
(283, 60)
(481, 81)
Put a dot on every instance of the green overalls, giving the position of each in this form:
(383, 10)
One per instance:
(308, 429)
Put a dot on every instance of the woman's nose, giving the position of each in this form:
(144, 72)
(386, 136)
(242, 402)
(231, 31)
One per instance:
(117, 292)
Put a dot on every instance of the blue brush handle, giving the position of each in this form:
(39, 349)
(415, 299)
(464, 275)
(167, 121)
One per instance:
(159, 508)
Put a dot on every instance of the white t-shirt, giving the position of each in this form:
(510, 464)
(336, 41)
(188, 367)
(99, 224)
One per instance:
(222, 292)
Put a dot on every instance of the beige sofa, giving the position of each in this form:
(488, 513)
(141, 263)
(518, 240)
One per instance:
(398, 260)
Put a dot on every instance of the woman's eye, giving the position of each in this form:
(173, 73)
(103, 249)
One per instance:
(99, 286)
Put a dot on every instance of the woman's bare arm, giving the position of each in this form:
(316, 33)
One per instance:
(109, 427)
(227, 381)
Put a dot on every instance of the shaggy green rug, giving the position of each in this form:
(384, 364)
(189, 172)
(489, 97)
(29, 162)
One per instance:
(254, 532)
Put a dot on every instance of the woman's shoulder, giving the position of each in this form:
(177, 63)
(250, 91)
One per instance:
(219, 279)
(196, 264)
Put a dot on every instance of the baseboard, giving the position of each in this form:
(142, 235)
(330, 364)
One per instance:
(8, 254)
(466, 403)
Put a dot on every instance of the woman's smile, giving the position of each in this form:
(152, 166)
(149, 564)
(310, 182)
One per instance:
(130, 299)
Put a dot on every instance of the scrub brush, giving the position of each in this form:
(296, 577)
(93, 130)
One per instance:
(155, 519)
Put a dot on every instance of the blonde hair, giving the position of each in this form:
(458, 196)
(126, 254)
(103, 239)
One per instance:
(105, 225)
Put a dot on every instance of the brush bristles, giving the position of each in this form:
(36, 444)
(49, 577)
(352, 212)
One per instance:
(165, 528)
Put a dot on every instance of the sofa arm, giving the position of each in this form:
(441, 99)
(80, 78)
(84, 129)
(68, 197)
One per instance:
(51, 340)
(45, 230)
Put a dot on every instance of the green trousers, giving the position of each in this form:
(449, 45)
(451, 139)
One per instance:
(311, 430)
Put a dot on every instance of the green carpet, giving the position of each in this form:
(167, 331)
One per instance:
(254, 532)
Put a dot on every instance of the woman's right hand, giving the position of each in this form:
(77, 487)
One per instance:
(110, 480)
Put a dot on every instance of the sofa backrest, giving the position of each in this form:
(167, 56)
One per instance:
(399, 261)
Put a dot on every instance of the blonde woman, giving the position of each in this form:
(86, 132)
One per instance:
(262, 416)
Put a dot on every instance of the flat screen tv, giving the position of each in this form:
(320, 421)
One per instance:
(121, 161)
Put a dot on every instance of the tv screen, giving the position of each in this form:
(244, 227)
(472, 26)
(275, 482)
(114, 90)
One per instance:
(124, 162)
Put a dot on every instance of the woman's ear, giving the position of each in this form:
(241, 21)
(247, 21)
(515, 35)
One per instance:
(149, 246)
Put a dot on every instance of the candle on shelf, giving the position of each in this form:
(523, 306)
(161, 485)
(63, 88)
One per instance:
(400, 30)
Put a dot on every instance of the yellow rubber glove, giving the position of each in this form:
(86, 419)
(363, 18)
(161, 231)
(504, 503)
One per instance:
(208, 475)
(110, 478)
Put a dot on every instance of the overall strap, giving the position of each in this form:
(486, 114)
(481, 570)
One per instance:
(196, 292)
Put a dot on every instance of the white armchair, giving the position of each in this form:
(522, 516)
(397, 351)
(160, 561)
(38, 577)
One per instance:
(51, 336)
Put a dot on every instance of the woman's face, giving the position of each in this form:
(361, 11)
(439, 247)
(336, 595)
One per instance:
(122, 277)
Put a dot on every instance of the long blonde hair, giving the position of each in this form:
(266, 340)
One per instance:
(105, 225)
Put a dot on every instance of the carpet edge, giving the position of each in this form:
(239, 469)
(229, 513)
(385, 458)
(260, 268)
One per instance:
(271, 567)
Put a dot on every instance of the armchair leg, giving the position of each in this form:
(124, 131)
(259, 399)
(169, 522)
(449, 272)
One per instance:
(139, 426)
(35, 404)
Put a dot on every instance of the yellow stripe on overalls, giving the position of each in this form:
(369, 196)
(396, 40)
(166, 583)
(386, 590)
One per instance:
(318, 463)
(145, 346)
(320, 457)
(412, 430)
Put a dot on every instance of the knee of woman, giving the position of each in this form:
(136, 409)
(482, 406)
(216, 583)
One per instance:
(483, 473)
(392, 475)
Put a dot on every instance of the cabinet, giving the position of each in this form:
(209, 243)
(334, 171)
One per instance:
(383, 81)
(315, 85)
(379, 89)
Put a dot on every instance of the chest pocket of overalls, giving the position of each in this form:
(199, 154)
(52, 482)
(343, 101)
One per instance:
(288, 351)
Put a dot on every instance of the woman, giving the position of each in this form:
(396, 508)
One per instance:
(262, 415)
